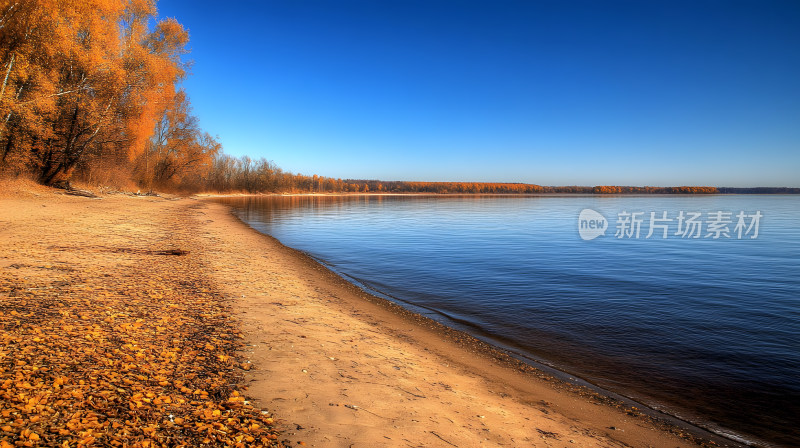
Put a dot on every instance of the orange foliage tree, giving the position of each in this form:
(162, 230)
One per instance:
(178, 154)
(82, 81)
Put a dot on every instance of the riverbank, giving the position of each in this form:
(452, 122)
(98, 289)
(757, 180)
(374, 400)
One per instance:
(336, 367)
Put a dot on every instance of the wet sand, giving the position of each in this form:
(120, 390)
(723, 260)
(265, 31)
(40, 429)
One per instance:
(334, 365)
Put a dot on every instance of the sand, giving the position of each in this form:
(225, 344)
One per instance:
(335, 366)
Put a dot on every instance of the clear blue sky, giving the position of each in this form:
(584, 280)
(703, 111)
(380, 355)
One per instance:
(549, 92)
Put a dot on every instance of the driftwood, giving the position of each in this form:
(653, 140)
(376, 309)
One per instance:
(84, 193)
(65, 185)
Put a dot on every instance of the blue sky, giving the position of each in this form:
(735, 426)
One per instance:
(548, 92)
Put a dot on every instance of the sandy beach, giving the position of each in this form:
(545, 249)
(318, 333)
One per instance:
(333, 366)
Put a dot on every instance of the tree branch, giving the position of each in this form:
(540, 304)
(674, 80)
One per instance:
(50, 96)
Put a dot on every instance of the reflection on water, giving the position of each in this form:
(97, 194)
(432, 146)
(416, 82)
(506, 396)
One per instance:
(707, 329)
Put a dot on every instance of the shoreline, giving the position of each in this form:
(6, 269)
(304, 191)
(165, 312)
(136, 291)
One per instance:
(507, 359)
(334, 366)
(669, 416)
(513, 356)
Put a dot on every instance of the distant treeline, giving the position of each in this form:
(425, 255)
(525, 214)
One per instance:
(518, 188)
(244, 174)
(261, 176)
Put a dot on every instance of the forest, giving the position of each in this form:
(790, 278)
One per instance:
(91, 93)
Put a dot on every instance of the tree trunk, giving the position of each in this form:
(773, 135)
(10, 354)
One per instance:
(5, 81)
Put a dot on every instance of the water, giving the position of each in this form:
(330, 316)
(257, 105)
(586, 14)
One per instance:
(708, 330)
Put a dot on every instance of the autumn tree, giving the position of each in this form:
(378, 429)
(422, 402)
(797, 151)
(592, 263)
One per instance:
(81, 79)
(179, 152)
